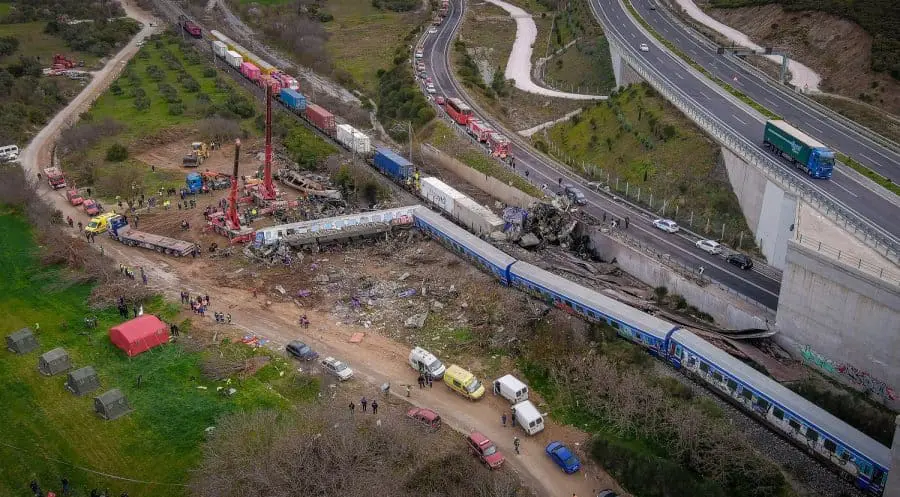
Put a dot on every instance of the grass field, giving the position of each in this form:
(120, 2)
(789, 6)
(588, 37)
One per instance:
(4, 9)
(33, 42)
(644, 142)
(585, 67)
(55, 432)
(363, 38)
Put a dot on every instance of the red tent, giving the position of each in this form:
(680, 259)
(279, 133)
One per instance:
(140, 334)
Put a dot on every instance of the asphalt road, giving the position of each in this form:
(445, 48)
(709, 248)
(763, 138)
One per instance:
(882, 214)
(754, 284)
(763, 90)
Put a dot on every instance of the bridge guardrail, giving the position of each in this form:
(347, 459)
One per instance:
(754, 156)
(849, 259)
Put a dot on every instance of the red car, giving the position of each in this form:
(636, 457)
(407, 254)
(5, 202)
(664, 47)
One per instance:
(425, 416)
(482, 447)
(74, 197)
(91, 207)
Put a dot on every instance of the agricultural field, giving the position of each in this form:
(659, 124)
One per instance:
(641, 144)
(47, 430)
(35, 42)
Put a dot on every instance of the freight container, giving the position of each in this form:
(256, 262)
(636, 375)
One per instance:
(803, 151)
(353, 139)
(234, 59)
(267, 80)
(440, 194)
(392, 164)
(250, 71)
(477, 218)
(287, 81)
(219, 48)
(321, 118)
(293, 99)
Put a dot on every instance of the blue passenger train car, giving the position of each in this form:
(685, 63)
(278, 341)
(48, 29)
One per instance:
(630, 323)
(464, 244)
(812, 428)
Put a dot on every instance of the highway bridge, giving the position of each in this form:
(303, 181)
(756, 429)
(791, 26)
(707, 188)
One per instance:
(761, 284)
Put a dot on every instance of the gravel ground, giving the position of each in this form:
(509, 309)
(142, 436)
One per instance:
(806, 475)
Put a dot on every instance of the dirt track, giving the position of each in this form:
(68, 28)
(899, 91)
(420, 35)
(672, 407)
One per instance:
(376, 360)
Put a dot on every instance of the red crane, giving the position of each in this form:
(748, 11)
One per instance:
(232, 220)
(267, 190)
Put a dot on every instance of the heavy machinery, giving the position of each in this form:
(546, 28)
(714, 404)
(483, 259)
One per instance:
(199, 152)
(228, 223)
(265, 192)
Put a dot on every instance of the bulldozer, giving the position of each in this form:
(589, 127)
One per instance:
(199, 152)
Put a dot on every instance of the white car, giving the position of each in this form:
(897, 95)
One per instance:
(420, 54)
(430, 89)
(644, 47)
(337, 368)
(666, 225)
(432, 30)
(709, 247)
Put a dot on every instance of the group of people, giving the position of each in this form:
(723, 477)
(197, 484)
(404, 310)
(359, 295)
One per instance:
(66, 490)
(221, 317)
(425, 379)
(304, 322)
(364, 402)
(128, 273)
(123, 308)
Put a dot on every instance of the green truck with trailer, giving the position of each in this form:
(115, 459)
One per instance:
(802, 150)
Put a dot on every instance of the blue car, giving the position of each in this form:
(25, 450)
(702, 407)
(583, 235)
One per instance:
(563, 457)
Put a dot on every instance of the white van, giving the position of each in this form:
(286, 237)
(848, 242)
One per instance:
(423, 361)
(9, 153)
(528, 417)
(510, 388)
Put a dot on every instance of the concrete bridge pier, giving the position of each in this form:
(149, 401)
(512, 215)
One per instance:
(625, 75)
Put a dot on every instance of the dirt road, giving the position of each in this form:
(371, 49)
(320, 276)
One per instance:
(376, 360)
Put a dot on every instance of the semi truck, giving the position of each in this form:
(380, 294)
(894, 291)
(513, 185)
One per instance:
(194, 182)
(120, 231)
(803, 151)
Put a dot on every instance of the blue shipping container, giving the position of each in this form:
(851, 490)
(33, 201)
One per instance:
(392, 164)
(293, 99)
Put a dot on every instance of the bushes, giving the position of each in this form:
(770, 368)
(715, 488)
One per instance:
(647, 475)
(116, 153)
(399, 99)
(240, 105)
(8, 45)
(304, 147)
(856, 412)
(395, 5)
(99, 37)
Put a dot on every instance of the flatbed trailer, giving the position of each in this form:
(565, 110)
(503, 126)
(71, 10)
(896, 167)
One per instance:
(120, 231)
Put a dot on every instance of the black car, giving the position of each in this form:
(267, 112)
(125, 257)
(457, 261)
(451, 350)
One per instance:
(302, 351)
(740, 260)
(607, 493)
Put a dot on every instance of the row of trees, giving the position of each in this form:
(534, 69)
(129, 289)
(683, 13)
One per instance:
(27, 100)
(50, 10)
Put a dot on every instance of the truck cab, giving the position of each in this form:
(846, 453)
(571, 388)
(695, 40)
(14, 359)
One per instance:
(821, 163)
(194, 182)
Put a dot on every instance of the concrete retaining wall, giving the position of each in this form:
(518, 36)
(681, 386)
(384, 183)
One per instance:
(488, 184)
(727, 309)
(841, 321)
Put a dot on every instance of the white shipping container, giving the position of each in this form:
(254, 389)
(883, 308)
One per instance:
(353, 139)
(219, 48)
(479, 219)
(234, 59)
(440, 193)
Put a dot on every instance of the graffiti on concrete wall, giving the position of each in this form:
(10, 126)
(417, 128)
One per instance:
(850, 373)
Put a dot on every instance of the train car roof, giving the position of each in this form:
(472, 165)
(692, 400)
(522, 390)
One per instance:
(811, 413)
(787, 127)
(463, 237)
(611, 307)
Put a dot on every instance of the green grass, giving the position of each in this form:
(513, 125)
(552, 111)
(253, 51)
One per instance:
(872, 175)
(363, 38)
(446, 140)
(585, 67)
(643, 141)
(5, 8)
(33, 42)
(157, 442)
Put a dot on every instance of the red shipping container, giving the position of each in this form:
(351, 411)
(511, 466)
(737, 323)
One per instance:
(250, 71)
(267, 79)
(139, 335)
(323, 119)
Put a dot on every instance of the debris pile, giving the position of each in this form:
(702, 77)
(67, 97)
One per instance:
(543, 224)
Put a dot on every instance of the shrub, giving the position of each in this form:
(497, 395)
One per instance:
(209, 72)
(116, 153)
(176, 109)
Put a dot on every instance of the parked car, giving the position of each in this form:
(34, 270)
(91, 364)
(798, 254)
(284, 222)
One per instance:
(301, 351)
(485, 450)
(709, 246)
(425, 416)
(575, 195)
(644, 47)
(431, 89)
(740, 260)
(420, 54)
(563, 457)
(337, 368)
(666, 225)
(607, 493)
(429, 82)
(74, 197)
(439, 100)
(91, 207)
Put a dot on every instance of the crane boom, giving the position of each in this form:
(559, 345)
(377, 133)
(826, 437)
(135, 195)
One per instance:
(268, 192)
(232, 214)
